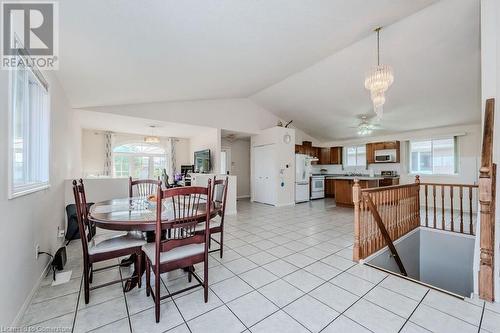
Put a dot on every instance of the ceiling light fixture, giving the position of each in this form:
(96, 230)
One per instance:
(152, 138)
(364, 129)
(378, 80)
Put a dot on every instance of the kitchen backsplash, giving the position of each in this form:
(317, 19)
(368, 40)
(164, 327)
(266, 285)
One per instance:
(377, 168)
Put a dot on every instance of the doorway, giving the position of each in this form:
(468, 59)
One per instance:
(264, 180)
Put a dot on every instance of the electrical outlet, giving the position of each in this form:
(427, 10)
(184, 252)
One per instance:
(37, 251)
(60, 232)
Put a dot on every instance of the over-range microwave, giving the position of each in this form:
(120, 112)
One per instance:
(385, 155)
(384, 158)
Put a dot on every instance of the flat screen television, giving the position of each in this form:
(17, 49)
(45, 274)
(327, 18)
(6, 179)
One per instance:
(202, 161)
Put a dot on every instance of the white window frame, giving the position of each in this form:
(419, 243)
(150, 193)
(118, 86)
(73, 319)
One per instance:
(356, 147)
(132, 155)
(25, 189)
(456, 157)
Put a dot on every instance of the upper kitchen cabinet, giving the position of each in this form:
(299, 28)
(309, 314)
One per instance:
(315, 152)
(301, 149)
(330, 155)
(372, 148)
(325, 155)
(336, 155)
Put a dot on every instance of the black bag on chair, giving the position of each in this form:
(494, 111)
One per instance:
(72, 229)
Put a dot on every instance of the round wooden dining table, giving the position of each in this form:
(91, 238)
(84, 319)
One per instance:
(139, 214)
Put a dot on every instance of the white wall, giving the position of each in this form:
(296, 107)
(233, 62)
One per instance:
(284, 162)
(240, 164)
(93, 150)
(446, 260)
(408, 248)
(209, 139)
(33, 219)
(92, 153)
(490, 85)
(182, 153)
(303, 136)
(98, 189)
(439, 258)
(201, 179)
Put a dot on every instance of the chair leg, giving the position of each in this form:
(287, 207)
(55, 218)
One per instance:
(157, 294)
(221, 239)
(86, 286)
(190, 274)
(148, 278)
(205, 277)
(91, 270)
(138, 268)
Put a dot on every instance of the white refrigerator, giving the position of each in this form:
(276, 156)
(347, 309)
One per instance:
(302, 174)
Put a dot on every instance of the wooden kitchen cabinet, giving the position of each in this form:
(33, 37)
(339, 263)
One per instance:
(324, 156)
(370, 153)
(372, 147)
(314, 152)
(343, 192)
(389, 181)
(329, 188)
(336, 155)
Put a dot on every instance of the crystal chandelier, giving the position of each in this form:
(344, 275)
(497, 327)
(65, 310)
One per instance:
(152, 138)
(378, 80)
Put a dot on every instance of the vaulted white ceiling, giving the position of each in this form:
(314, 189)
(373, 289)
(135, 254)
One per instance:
(129, 51)
(435, 55)
(302, 60)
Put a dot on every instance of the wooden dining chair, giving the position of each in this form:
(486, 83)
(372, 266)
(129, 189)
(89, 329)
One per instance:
(105, 249)
(219, 195)
(185, 246)
(143, 187)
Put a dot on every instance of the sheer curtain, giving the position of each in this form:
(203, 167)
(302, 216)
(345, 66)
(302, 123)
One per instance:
(172, 168)
(108, 153)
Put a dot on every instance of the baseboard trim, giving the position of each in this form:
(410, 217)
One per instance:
(27, 301)
(285, 205)
(17, 320)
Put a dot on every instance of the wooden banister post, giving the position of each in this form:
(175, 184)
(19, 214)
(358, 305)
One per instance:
(356, 198)
(487, 182)
(417, 220)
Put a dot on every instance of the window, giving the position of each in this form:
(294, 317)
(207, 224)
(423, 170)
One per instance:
(433, 156)
(356, 155)
(139, 160)
(29, 133)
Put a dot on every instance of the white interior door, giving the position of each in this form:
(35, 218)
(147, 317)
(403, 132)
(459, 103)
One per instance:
(264, 190)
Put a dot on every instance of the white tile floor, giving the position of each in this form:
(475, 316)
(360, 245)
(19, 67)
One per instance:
(284, 270)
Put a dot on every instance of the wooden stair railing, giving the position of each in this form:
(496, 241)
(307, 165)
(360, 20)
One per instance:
(487, 188)
(449, 212)
(385, 234)
(382, 215)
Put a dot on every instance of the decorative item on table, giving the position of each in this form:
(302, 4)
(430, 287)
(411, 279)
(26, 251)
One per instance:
(151, 201)
(178, 177)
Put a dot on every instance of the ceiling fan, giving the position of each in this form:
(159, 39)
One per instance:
(365, 127)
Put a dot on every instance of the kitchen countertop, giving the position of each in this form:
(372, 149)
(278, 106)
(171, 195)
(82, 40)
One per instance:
(344, 177)
(355, 177)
